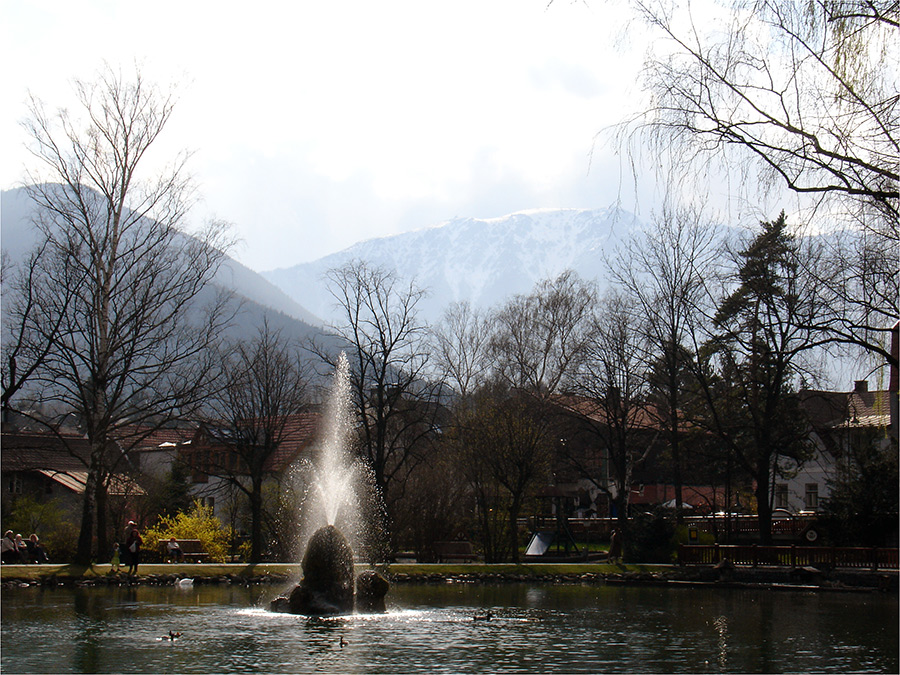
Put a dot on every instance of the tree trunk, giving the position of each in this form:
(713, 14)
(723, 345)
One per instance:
(676, 470)
(514, 530)
(764, 511)
(255, 523)
(102, 513)
(86, 534)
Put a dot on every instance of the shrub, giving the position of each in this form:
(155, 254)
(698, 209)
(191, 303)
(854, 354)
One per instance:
(48, 521)
(198, 523)
(650, 539)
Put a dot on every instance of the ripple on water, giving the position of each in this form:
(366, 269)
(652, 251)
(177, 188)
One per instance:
(580, 629)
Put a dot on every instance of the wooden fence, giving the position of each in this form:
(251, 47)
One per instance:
(794, 556)
(725, 528)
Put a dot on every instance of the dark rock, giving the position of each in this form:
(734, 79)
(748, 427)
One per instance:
(280, 604)
(371, 588)
(806, 574)
(724, 569)
(327, 585)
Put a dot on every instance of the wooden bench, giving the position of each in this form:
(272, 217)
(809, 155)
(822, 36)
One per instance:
(191, 548)
(453, 551)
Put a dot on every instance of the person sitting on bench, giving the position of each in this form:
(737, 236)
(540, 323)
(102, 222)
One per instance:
(173, 551)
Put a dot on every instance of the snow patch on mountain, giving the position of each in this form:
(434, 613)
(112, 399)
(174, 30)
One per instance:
(484, 261)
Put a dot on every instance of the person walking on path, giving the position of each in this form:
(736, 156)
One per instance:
(133, 547)
(124, 553)
(615, 546)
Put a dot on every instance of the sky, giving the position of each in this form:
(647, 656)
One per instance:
(315, 125)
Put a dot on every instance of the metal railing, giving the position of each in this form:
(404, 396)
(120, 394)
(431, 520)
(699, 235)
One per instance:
(793, 556)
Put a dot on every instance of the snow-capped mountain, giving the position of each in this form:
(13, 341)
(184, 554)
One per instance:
(483, 261)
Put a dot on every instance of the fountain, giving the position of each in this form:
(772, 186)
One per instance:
(333, 489)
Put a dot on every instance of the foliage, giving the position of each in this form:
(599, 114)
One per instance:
(173, 492)
(198, 523)
(48, 521)
(862, 509)
(761, 339)
(650, 538)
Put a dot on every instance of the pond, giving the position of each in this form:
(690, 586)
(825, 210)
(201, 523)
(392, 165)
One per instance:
(431, 628)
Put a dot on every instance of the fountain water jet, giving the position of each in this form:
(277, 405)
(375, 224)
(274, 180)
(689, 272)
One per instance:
(334, 487)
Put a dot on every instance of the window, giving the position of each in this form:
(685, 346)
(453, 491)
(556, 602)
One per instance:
(781, 496)
(15, 484)
(812, 496)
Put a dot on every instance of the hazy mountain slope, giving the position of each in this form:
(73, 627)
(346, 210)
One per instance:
(483, 261)
(254, 299)
(17, 237)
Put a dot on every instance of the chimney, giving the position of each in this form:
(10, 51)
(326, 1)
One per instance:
(860, 386)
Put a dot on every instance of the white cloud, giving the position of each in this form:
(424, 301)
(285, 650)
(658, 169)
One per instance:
(320, 123)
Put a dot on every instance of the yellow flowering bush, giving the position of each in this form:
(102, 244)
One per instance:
(198, 523)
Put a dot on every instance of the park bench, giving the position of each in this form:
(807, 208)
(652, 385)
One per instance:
(191, 548)
(453, 551)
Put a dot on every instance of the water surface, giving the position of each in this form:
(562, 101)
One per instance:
(534, 628)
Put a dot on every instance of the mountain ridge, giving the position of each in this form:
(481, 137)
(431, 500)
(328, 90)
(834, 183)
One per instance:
(482, 260)
(18, 236)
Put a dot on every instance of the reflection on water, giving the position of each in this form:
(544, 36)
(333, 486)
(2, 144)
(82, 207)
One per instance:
(432, 629)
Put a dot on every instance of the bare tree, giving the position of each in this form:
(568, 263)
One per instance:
(807, 88)
(539, 339)
(663, 270)
(460, 345)
(612, 387)
(396, 404)
(859, 274)
(509, 443)
(538, 342)
(22, 357)
(809, 91)
(253, 415)
(471, 451)
(118, 290)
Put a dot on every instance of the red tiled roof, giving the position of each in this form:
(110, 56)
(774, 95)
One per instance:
(144, 440)
(297, 432)
(300, 431)
(837, 409)
(32, 451)
(869, 408)
(644, 416)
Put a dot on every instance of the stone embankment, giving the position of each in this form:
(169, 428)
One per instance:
(803, 578)
(113, 580)
(775, 579)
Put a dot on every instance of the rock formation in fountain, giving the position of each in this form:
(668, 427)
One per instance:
(327, 584)
(371, 588)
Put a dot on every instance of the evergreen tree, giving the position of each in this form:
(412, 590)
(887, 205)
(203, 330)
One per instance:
(758, 347)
